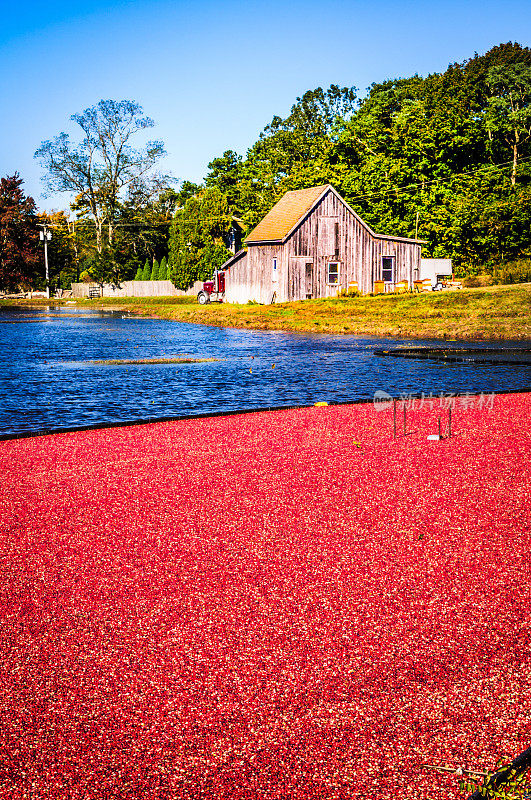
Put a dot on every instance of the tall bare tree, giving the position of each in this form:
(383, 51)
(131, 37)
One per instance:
(104, 163)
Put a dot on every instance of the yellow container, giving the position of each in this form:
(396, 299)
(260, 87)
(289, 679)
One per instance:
(401, 286)
(379, 287)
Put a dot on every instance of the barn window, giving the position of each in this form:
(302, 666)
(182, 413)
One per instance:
(274, 275)
(388, 268)
(333, 272)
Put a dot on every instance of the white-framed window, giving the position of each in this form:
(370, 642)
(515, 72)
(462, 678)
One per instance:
(388, 269)
(274, 270)
(333, 273)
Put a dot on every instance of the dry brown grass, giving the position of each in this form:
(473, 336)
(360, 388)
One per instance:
(494, 312)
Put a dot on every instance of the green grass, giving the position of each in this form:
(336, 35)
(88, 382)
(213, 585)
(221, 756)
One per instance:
(494, 312)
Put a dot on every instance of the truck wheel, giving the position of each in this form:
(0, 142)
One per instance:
(203, 298)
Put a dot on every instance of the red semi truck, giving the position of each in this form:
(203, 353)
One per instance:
(213, 291)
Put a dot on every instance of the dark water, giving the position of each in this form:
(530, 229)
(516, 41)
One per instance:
(47, 382)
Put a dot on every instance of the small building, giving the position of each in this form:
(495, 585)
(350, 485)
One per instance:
(312, 244)
(435, 270)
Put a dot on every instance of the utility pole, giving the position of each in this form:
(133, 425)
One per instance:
(72, 235)
(45, 236)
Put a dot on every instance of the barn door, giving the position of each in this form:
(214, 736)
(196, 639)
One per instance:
(308, 280)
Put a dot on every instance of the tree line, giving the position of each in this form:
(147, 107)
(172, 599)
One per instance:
(445, 158)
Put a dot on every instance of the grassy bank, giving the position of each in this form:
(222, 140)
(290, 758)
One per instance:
(485, 313)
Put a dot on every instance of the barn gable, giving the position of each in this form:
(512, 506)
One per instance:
(312, 244)
(293, 207)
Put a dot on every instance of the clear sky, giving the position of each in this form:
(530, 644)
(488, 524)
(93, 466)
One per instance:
(213, 74)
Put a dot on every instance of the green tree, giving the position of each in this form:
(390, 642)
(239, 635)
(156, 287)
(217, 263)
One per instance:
(138, 276)
(213, 256)
(416, 159)
(163, 269)
(144, 220)
(509, 109)
(227, 174)
(105, 267)
(155, 271)
(146, 272)
(290, 153)
(186, 192)
(426, 157)
(196, 237)
(131, 266)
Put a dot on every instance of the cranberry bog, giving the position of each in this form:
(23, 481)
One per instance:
(288, 604)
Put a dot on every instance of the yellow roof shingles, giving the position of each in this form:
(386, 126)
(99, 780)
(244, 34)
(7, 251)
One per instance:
(284, 216)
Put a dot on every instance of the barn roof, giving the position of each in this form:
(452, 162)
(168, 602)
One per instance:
(233, 259)
(286, 214)
(293, 207)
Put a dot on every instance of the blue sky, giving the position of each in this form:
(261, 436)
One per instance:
(212, 75)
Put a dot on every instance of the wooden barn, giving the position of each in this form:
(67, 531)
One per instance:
(312, 244)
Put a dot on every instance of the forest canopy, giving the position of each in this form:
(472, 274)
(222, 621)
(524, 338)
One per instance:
(445, 158)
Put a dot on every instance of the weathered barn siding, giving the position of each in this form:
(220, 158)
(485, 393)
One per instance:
(407, 259)
(261, 272)
(328, 232)
(237, 283)
(249, 276)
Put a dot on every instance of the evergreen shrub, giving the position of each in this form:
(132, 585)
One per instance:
(146, 272)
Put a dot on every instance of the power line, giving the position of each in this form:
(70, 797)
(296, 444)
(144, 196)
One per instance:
(395, 190)
(422, 184)
(141, 224)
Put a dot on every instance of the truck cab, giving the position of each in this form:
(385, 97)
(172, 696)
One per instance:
(213, 291)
